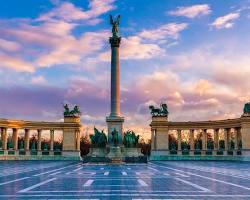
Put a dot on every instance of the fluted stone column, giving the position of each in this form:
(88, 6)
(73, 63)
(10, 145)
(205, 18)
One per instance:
(204, 140)
(236, 130)
(114, 120)
(51, 140)
(179, 141)
(39, 143)
(27, 140)
(192, 141)
(216, 139)
(153, 139)
(226, 134)
(15, 139)
(115, 76)
(78, 140)
(4, 138)
(237, 138)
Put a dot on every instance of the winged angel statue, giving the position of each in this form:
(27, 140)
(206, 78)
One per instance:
(115, 25)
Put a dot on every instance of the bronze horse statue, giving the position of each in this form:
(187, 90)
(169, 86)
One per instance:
(162, 111)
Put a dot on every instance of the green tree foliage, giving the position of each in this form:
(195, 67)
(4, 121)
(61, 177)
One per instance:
(130, 139)
(99, 139)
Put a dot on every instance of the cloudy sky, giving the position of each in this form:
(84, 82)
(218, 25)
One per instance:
(194, 55)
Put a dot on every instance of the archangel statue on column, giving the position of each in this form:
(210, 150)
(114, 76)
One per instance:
(115, 25)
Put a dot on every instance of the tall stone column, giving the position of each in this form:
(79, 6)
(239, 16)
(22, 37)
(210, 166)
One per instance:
(226, 134)
(179, 139)
(15, 139)
(39, 144)
(51, 140)
(153, 141)
(236, 139)
(114, 120)
(191, 139)
(4, 138)
(115, 76)
(216, 139)
(78, 140)
(204, 139)
(27, 140)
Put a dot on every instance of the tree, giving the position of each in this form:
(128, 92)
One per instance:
(84, 145)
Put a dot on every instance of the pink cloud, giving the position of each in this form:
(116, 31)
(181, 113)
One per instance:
(68, 12)
(9, 46)
(15, 63)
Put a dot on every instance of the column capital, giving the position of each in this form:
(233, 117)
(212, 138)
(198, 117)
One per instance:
(115, 41)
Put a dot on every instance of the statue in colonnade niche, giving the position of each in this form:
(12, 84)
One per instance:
(21, 144)
(33, 146)
(162, 111)
(75, 112)
(10, 144)
(46, 147)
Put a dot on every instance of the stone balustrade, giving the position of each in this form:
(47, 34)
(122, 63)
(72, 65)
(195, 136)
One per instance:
(70, 129)
(215, 138)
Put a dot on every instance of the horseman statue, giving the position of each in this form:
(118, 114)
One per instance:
(75, 112)
(246, 110)
(162, 111)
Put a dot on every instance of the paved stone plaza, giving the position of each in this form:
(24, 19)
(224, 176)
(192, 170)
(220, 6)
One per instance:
(161, 180)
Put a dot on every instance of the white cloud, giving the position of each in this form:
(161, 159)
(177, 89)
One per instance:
(143, 45)
(226, 21)
(38, 80)
(133, 48)
(192, 11)
(163, 32)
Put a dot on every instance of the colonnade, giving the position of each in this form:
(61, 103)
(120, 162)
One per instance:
(70, 129)
(227, 133)
(235, 130)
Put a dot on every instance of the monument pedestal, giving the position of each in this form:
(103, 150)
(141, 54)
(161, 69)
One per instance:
(115, 123)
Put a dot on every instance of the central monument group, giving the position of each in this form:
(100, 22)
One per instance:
(116, 151)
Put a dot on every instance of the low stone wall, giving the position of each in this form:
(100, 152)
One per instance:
(198, 158)
(39, 157)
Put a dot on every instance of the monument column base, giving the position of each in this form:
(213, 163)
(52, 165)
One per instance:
(115, 123)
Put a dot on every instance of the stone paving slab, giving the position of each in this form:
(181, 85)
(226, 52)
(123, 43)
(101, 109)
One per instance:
(155, 180)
